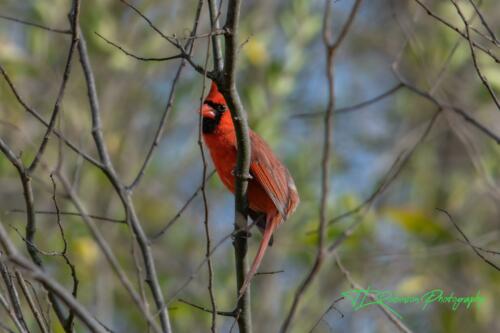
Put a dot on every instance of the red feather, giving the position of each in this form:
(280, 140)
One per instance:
(271, 190)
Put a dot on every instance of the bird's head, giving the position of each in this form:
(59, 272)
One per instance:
(214, 110)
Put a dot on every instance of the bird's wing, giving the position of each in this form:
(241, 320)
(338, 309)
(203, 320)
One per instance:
(268, 171)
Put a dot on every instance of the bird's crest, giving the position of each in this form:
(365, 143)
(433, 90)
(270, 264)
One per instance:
(214, 95)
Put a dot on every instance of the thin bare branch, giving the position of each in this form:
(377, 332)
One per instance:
(69, 323)
(74, 19)
(36, 25)
(454, 28)
(130, 54)
(396, 168)
(35, 114)
(330, 308)
(465, 115)
(159, 132)
(31, 302)
(474, 248)
(216, 46)
(51, 284)
(107, 251)
(162, 231)
(30, 219)
(353, 107)
(483, 21)
(12, 314)
(483, 78)
(220, 313)
(49, 212)
(188, 280)
(173, 41)
(13, 295)
(345, 28)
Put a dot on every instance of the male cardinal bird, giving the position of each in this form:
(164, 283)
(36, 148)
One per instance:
(272, 195)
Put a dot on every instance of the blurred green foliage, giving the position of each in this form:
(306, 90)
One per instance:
(402, 243)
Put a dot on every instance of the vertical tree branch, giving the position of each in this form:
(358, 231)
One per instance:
(226, 81)
(216, 47)
(330, 50)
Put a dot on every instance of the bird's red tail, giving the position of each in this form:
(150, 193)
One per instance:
(266, 237)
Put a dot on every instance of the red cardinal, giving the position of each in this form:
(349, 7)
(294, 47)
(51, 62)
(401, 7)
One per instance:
(272, 195)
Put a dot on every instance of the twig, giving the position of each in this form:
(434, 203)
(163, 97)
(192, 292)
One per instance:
(36, 25)
(394, 171)
(33, 307)
(465, 115)
(35, 114)
(30, 219)
(68, 324)
(354, 107)
(13, 295)
(171, 40)
(160, 129)
(214, 25)
(12, 314)
(270, 272)
(49, 212)
(483, 78)
(331, 307)
(211, 311)
(150, 23)
(162, 231)
(107, 251)
(474, 248)
(163, 121)
(232, 234)
(130, 54)
(483, 21)
(452, 27)
(49, 283)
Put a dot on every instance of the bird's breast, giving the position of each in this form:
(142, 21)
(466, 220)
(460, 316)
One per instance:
(223, 152)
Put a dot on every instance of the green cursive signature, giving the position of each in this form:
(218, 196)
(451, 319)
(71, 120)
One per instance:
(361, 298)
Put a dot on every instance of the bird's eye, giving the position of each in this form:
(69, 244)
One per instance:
(220, 108)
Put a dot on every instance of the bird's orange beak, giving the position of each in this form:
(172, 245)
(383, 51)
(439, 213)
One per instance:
(207, 111)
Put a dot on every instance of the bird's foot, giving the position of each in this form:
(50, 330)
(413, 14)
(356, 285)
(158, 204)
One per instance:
(246, 177)
(241, 234)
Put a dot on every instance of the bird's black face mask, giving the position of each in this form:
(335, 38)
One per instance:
(210, 123)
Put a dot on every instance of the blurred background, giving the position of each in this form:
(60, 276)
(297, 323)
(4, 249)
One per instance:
(400, 241)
